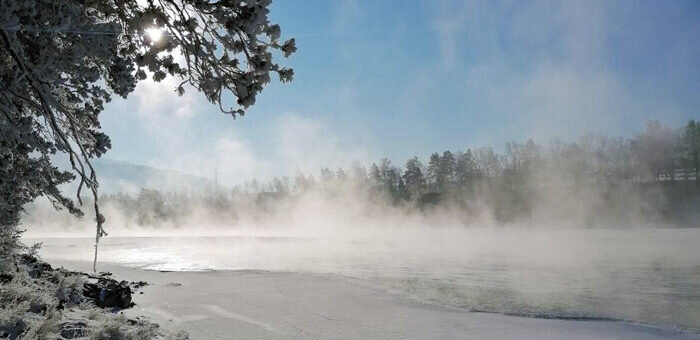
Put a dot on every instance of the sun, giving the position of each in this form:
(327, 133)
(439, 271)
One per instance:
(154, 33)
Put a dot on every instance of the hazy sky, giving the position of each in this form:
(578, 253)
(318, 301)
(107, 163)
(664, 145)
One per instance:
(376, 78)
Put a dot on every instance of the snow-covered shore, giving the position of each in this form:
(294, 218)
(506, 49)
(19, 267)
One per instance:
(41, 302)
(266, 305)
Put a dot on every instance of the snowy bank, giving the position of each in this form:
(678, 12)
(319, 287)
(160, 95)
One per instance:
(41, 302)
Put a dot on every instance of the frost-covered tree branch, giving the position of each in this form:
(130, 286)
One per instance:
(62, 61)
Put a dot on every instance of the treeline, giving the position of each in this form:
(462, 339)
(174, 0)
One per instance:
(656, 172)
(657, 154)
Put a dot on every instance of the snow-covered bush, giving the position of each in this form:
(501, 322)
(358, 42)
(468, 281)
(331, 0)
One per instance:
(118, 328)
(27, 308)
(70, 290)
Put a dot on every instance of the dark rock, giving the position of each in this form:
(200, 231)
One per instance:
(37, 270)
(108, 292)
(139, 284)
(35, 267)
(74, 329)
(54, 278)
(37, 307)
(27, 259)
(5, 278)
(12, 329)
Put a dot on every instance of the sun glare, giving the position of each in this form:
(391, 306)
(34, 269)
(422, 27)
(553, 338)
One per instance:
(154, 33)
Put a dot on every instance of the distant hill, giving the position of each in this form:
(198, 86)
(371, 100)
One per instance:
(120, 176)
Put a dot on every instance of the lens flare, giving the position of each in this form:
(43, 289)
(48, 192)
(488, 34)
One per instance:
(155, 34)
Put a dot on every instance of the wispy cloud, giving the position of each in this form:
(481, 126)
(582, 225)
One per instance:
(450, 24)
(544, 66)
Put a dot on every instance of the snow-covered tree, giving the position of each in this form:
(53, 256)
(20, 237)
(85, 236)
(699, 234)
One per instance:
(62, 61)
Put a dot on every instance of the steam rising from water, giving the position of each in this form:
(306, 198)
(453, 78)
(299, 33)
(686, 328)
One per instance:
(647, 275)
(554, 269)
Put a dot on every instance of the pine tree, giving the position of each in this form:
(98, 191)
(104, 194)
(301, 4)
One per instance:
(447, 171)
(433, 174)
(341, 176)
(327, 177)
(691, 149)
(413, 177)
(466, 171)
(386, 178)
(359, 173)
(375, 177)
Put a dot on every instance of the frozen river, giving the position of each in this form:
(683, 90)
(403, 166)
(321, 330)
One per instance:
(649, 275)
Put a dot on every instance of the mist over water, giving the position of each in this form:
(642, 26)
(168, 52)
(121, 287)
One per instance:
(648, 275)
(557, 237)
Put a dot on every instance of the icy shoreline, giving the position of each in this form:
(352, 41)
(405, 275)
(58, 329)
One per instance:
(254, 304)
(38, 301)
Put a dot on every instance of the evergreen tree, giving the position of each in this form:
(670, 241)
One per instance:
(341, 176)
(375, 177)
(386, 176)
(394, 183)
(402, 189)
(691, 149)
(466, 171)
(446, 174)
(359, 173)
(327, 177)
(434, 172)
(413, 177)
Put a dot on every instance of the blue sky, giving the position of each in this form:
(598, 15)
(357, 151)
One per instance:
(401, 78)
